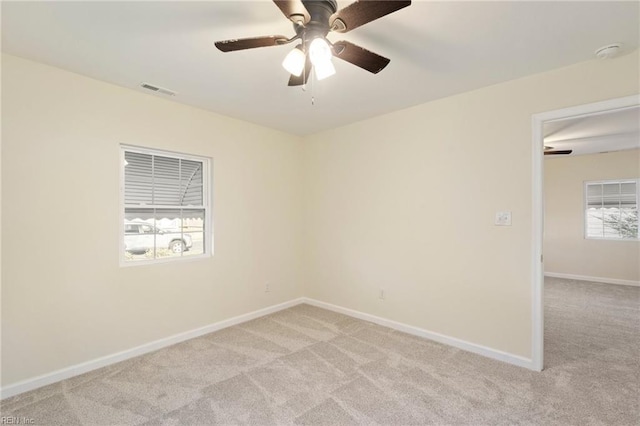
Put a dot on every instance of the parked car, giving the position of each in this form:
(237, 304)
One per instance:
(140, 237)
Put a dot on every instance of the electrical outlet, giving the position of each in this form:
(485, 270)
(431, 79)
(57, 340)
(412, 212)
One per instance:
(503, 218)
(381, 294)
(267, 287)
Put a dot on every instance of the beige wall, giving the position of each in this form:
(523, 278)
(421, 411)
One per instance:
(566, 250)
(406, 202)
(65, 300)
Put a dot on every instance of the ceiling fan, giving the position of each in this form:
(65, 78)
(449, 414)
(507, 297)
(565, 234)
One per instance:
(549, 150)
(312, 21)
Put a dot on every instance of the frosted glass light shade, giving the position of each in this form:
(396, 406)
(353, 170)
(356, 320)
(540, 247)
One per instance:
(294, 62)
(319, 51)
(320, 56)
(324, 69)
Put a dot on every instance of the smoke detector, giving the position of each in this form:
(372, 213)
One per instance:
(157, 89)
(609, 51)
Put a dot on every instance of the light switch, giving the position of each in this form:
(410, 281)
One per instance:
(503, 218)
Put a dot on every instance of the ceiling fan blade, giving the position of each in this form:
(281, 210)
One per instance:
(295, 80)
(559, 152)
(250, 43)
(294, 10)
(359, 56)
(363, 11)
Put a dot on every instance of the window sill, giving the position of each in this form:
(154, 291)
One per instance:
(190, 258)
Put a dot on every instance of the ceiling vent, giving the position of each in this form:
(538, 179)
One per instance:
(157, 89)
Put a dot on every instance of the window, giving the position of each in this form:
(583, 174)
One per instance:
(166, 206)
(611, 209)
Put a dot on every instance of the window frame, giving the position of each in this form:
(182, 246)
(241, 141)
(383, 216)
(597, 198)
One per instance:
(207, 198)
(585, 206)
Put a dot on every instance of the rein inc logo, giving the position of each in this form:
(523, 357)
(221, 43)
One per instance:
(10, 420)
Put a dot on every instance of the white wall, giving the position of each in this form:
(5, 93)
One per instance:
(65, 300)
(406, 202)
(566, 250)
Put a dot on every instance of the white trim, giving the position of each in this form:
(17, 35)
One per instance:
(85, 367)
(616, 281)
(585, 206)
(121, 261)
(537, 275)
(537, 261)
(436, 337)
(593, 109)
(207, 192)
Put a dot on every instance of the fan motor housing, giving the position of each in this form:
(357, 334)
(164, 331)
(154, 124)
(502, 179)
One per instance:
(318, 25)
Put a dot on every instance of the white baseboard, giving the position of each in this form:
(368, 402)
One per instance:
(592, 279)
(85, 367)
(437, 337)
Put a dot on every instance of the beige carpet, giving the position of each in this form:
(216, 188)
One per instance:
(310, 366)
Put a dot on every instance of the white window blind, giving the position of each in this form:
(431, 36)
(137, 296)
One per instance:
(611, 209)
(162, 181)
(165, 205)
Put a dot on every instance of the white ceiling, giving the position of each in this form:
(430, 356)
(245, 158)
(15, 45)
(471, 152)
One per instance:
(617, 130)
(436, 49)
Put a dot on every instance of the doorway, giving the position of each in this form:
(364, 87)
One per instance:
(538, 125)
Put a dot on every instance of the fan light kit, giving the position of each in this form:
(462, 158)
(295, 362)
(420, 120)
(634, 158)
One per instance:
(294, 61)
(320, 55)
(312, 21)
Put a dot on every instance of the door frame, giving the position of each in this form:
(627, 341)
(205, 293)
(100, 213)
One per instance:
(537, 123)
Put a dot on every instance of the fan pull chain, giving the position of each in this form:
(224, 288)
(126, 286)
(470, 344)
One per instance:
(313, 86)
